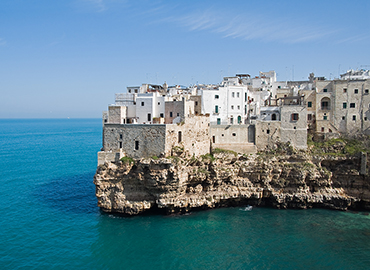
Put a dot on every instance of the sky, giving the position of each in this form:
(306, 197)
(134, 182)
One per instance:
(61, 59)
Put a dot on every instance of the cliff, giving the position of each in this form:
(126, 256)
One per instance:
(282, 178)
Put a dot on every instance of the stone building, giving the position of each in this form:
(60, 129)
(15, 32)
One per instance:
(290, 126)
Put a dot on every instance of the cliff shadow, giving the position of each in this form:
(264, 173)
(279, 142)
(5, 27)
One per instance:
(75, 193)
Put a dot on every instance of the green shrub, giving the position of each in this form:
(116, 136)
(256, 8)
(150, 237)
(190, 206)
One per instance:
(219, 151)
(128, 160)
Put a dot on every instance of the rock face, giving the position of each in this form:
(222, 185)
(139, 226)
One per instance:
(178, 184)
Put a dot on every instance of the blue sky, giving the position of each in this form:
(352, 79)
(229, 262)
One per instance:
(68, 58)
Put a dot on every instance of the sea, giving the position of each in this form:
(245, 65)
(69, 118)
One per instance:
(49, 217)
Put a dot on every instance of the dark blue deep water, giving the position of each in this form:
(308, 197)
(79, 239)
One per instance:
(49, 218)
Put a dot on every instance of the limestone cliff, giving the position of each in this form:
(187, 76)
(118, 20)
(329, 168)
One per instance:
(281, 180)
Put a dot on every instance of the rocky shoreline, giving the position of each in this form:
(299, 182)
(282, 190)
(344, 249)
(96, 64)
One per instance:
(285, 179)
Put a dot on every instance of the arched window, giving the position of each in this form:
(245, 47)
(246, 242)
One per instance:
(325, 103)
(273, 117)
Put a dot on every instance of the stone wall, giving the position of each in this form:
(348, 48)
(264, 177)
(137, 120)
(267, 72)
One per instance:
(116, 114)
(135, 140)
(267, 133)
(232, 137)
(294, 131)
(192, 136)
(174, 109)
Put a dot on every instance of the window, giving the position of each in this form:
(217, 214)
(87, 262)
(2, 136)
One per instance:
(196, 103)
(344, 105)
(218, 121)
(233, 94)
(178, 114)
(231, 120)
(344, 90)
(120, 136)
(343, 117)
(161, 115)
(354, 117)
(149, 117)
(239, 119)
(325, 90)
(245, 109)
(273, 117)
(322, 129)
(232, 107)
(366, 91)
(213, 139)
(365, 118)
(295, 116)
(135, 90)
(216, 109)
(309, 104)
(170, 114)
(238, 107)
(142, 103)
(120, 144)
(309, 117)
(245, 97)
(237, 94)
(268, 131)
(325, 117)
(234, 134)
(179, 137)
(136, 145)
(217, 97)
(159, 103)
(325, 105)
(352, 105)
(356, 91)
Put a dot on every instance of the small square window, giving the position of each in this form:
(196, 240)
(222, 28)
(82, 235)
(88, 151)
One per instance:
(344, 90)
(356, 91)
(322, 129)
(295, 116)
(352, 105)
(309, 104)
(354, 117)
(325, 90)
(233, 94)
(343, 117)
(365, 118)
(142, 103)
(159, 103)
(325, 117)
(217, 97)
(237, 94)
(268, 131)
(161, 115)
(366, 91)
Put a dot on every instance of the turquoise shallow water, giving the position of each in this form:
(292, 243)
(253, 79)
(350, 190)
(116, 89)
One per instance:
(49, 218)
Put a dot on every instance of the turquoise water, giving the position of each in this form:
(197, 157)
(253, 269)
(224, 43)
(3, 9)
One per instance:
(49, 218)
